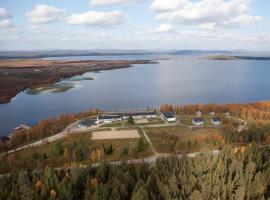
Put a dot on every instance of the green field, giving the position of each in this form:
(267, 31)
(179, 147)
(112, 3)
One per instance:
(182, 139)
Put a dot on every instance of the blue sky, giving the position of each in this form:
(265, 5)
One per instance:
(134, 24)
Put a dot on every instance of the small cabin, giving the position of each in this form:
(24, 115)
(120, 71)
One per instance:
(226, 114)
(216, 120)
(197, 121)
(168, 116)
(198, 113)
(212, 113)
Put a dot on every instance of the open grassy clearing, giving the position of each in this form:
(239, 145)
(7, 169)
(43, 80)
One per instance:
(76, 148)
(179, 139)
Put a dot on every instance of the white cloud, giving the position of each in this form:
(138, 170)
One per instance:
(205, 13)
(110, 2)
(43, 14)
(94, 18)
(5, 23)
(5, 19)
(4, 14)
(164, 28)
(168, 5)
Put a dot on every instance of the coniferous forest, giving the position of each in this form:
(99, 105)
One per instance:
(232, 174)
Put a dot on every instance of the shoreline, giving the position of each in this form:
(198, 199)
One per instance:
(19, 75)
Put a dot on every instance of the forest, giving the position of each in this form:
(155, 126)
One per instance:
(43, 128)
(250, 111)
(232, 174)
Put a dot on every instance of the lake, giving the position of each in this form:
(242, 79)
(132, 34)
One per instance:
(181, 80)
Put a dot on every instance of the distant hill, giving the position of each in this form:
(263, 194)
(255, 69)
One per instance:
(229, 57)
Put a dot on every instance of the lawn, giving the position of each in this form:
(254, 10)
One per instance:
(80, 149)
(182, 139)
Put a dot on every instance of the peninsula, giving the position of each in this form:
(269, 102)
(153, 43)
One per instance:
(18, 75)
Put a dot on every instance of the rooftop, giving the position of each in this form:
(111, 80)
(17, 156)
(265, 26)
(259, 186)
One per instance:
(87, 122)
(168, 115)
(216, 119)
(109, 116)
(198, 119)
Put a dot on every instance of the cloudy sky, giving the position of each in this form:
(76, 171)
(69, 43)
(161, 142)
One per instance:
(134, 24)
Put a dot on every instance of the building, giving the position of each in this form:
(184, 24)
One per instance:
(109, 118)
(213, 113)
(227, 114)
(216, 120)
(168, 116)
(140, 115)
(197, 121)
(198, 113)
(86, 123)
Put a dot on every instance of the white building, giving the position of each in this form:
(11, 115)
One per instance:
(197, 121)
(108, 118)
(227, 114)
(213, 113)
(216, 121)
(168, 116)
(140, 115)
(198, 113)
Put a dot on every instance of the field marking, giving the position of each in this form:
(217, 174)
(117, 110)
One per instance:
(120, 134)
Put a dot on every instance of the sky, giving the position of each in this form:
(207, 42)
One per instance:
(135, 24)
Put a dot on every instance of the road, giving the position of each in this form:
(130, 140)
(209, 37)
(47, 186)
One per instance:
(73, 128)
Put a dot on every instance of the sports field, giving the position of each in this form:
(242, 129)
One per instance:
(117, 134)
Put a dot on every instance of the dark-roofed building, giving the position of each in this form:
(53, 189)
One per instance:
(86, 123)
(109, 118)
(139, 115)
(216, 120)
(197, 121)
(168, 116)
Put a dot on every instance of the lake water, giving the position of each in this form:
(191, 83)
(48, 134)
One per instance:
(181, 80)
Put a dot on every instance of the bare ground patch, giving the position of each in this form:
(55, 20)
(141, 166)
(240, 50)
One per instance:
(141, 121)
(117, 134)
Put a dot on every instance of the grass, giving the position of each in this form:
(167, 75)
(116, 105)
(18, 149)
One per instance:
(114, 125)
(155, 121)
(182, 139)
(123, 149)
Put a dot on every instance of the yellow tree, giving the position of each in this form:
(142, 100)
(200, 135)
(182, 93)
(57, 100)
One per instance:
(66, 153)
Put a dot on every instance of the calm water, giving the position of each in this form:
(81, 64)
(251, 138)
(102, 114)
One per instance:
(176, 81)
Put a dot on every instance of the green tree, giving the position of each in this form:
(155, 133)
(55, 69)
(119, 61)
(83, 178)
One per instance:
(140, 145)
(140, 193)
(25, 187)
(131, 120)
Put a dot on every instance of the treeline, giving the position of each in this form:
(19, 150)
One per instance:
(241, 175)
(255, 133)
(44, 128)
(250, 111)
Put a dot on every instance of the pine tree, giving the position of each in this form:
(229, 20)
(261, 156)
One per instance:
(25, 187)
